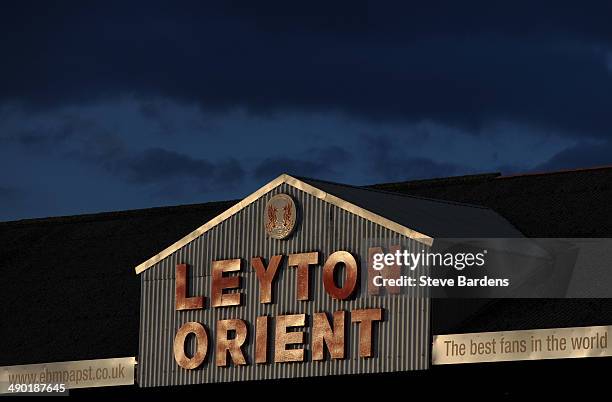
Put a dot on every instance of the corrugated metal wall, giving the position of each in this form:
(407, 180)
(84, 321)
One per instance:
(403, 338)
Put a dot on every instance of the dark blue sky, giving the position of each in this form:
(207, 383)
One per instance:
(120, 105)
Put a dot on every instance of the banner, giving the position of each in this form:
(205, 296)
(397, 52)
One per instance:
(537, 344)
(53, 377)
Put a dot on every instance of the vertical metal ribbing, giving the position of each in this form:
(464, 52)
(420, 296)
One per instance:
(403, 337)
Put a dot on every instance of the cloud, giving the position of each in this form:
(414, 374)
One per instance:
(157, 165)
(170, 117)
(580, 156)
(387, 162)
(322, 163)
(465, 67)
(165, 173)
(121, 148)
(45, 134)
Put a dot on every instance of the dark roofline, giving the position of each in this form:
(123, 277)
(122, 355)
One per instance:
(110, 215)
(374, 189)
(471, 178)
(556, 172)
(439, 181)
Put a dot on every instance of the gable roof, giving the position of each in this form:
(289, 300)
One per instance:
(417, 218)
(301, 185)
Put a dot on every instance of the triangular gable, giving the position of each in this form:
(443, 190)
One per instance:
(300, 185)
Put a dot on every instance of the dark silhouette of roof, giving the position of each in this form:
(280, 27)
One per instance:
(432, 217)
(558, 204)
(68, 286)
(70, 293)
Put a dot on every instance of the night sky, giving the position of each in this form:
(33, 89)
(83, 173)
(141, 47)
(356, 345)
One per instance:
(121, 105)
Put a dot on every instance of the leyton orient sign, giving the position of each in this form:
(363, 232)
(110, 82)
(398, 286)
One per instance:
(278, 286)
(326, 332)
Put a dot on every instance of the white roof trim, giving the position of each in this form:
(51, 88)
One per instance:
(292, 181)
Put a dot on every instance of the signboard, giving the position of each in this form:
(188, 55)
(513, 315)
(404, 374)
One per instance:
(537, 344)
(35, 378)
(278, 288)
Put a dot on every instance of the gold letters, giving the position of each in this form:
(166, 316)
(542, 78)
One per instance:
(201, 339)
(266, 276)
(350, 283)
(365, 318)
(322, 334)
(261, 340)
(284, 338)
(182, 301)
(303, 262)
(289, 343)
(232, 339)
(233, 346)
(220, 282)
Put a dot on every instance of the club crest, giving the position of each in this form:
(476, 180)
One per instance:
(280, 216)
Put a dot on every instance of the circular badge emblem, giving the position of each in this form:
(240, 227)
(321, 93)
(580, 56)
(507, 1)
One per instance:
(280, 216)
